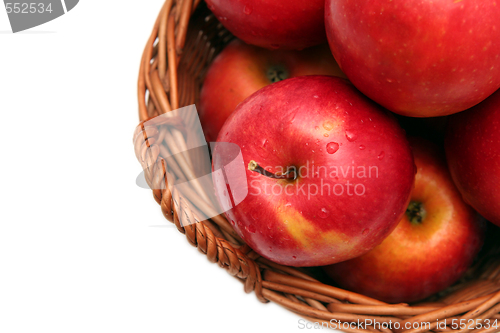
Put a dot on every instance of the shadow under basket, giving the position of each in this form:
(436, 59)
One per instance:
(185, 39)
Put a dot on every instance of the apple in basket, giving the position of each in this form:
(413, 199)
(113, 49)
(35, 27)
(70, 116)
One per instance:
(433, 245)
(242, 69)
(273, 24)
(473, 152)
(329, 171)
(418, 58)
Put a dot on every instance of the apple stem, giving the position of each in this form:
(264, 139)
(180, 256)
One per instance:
(255, 167)
(416, 212)
(277, 73)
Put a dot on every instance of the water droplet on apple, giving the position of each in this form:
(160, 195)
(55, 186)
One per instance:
(316, 96)
(328, 125)
(232, 222)
(294, 257)
(250, 229)
(381, 155)
(288, 204)
(332, 147)
(262, 151)
(361, 147)
(350, 135)
(290, 117)
(326, 135)
(247, 10)
(366, 231)
(324, 213)
(316, 128)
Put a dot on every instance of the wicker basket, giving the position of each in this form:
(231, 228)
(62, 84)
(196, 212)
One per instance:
(185, 39)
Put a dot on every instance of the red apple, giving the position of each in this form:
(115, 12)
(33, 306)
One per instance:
(242, 69)
(338, 171)
(273, 24)
(420, 58)
(433, 245)
(473, 153)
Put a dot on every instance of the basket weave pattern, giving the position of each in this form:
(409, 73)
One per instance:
(185, 39)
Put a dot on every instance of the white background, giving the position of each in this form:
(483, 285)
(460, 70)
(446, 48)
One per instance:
(82, 248)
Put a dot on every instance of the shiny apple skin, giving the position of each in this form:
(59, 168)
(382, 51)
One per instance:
(273, 24)
(473, 152)
(419, 58)
(295, 122)
(242, 69)
(419, 260)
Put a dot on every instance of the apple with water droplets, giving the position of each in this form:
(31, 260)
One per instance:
(328, 172)
(273, 24)
(419, 58)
